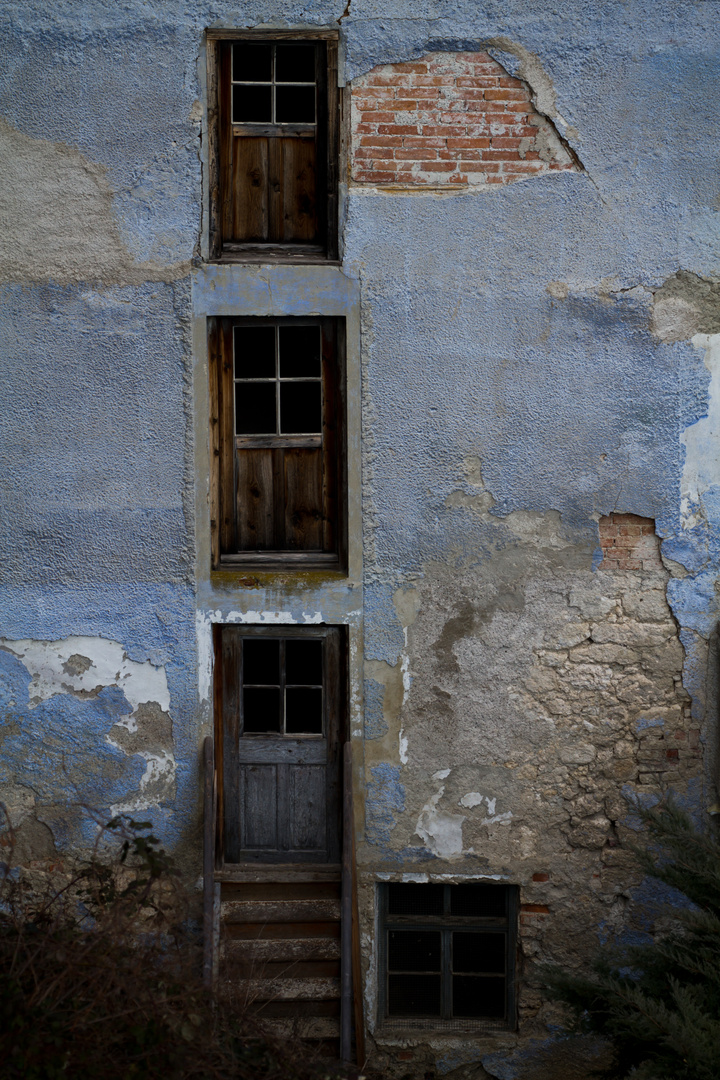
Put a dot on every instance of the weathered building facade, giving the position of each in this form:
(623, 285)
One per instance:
(360, 369)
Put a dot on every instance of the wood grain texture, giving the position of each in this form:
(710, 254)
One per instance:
(303, 515)
(231, 675)
(226, 410)
(250, 189)
(255, 500)
(213, 371)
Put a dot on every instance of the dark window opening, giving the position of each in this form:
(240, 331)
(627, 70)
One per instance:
(448, 952)
(282, 686)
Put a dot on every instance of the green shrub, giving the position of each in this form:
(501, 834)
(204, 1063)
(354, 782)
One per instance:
(658, 1004)
(100, 978)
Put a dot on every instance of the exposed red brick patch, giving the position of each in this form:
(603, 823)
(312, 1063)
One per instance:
(629, 542)
(541, 877)
(449, 119)
(534, 909)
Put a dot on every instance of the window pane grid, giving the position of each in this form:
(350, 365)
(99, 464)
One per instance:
(455, 972)
(279, 707)
(276, 98)
(299, 410)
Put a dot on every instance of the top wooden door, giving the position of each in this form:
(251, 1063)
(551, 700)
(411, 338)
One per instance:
(274, 146)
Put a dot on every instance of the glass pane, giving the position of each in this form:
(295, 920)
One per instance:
(413, 950)
(412, 899)
(261, 711)
(474, 996)
(300, 409)
(478, 952)
(254, 352)
(252, 62)
(303, 662)
(261, 661)
(295, 63)
(414, 995)
(303, 711)
(294, 104)
(255, 408)
(483, 900)
(299, 352)
(252, 104)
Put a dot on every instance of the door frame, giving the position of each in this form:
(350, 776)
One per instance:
(335, 683)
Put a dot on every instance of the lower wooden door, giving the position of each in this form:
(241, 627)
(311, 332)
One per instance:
(280, 705)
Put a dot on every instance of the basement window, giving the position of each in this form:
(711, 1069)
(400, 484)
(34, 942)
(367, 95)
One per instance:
(273, 132)
(447, 956)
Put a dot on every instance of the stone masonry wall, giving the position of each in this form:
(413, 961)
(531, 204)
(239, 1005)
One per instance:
(450, 119)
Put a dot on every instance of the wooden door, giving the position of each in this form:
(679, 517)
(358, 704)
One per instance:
(280, 702)
(273, 152)
(278, 441)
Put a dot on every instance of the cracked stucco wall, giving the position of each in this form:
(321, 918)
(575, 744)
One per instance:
(534, 358)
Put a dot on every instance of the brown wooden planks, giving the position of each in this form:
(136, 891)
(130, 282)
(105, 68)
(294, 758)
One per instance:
(213, 370)
(251, 182)
(255, 500)
(303, 499)
(226, 412)
(300, 218)
(231, 717)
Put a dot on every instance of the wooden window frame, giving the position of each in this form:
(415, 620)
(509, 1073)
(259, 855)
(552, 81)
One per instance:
(223, 463)
(446, 924)
(220, 251)
(228, 676)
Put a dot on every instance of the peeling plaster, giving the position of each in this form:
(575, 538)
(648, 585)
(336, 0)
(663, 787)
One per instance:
(59, 221)
(440, 831)
(83, 667)
(701, 469)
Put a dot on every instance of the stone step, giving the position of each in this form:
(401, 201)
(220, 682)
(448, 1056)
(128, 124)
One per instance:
(282, 911)
(311, 1027)
(288, 989)
(261, 950)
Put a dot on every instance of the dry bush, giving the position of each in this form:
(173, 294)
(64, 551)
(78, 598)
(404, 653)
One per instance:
(100, 976)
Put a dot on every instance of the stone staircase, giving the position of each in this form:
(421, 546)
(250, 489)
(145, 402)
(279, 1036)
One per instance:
(279, 949)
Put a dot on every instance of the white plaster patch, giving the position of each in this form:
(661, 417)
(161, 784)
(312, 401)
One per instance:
(701, 470)
(403, 747)
(441, 832)
(54, 672)
(203, 633)
(474, 798)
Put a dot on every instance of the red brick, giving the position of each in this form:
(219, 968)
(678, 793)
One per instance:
(466, 141)
(416, 154)
(398, 129)
(372, 177)
(535, 909)
(523, 166)
(504, 94)
(363, 152)
(672, 755)
(430, 129)
(377, 117)
(377, 140)
(501, 142)
(439, 166)
(541, 877)
(423, 141)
